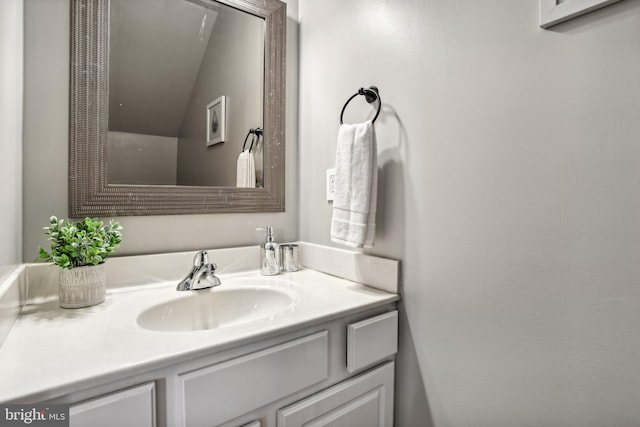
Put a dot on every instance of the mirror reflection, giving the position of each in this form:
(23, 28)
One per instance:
(185, 88)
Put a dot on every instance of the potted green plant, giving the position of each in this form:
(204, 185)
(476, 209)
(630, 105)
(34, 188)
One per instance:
(80, 250)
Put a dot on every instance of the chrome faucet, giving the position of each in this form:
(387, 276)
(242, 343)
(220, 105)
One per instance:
(201, 276)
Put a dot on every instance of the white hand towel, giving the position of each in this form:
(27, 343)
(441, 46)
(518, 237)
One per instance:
(251, 176)
(356, 186)
(246, 170)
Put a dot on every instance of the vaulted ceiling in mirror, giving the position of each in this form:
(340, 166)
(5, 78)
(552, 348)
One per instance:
(156, 48)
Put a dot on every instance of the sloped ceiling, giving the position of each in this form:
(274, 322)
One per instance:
(156, 48)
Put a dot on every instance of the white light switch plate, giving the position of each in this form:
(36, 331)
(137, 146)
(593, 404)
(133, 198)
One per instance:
(331, 184)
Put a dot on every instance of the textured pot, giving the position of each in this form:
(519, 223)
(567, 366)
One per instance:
(82, 286)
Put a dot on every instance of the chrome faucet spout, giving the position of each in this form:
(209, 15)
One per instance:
(202, 275)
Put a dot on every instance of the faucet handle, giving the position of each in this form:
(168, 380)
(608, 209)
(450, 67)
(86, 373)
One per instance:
(201, 259)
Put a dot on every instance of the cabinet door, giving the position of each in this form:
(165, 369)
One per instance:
(134, 407)
(372, 340)
(363, 401)
(216, 394)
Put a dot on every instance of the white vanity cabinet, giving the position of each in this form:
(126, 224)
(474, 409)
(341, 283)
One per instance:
(336, 373)
(135, 407)
(223, 391)
(364, 401)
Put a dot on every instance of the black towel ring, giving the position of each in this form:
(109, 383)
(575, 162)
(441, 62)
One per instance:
(370, 94)
(245, 140)
(257, 133)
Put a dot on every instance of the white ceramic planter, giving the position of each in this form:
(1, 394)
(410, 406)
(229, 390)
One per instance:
(82, 286)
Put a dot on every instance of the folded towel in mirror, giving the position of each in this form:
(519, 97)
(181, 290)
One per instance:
(246, 170)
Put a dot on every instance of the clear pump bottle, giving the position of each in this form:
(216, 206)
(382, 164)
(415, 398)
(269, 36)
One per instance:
(269, 254)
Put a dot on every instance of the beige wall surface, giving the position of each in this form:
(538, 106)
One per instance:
(509, 174)
(46, 149)
(155, 51)
(11, 99)
(238, 38)
(135, 158)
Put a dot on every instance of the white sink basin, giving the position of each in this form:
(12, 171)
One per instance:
(216, 308)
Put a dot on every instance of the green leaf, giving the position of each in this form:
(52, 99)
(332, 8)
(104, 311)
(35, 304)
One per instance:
(86, 242)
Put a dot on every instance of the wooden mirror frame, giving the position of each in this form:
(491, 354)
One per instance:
(89, 192)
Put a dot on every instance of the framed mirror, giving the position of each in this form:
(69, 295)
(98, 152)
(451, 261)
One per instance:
(108, 112)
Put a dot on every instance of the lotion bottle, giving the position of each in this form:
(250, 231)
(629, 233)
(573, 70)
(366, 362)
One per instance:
(269, 254)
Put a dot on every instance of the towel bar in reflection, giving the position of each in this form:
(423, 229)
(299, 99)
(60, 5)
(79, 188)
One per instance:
(257, 133)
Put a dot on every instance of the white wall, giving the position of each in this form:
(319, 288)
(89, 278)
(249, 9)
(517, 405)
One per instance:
(135, 158)
(46, 149)
(11, 98)
(155, 51)
(239, 39)
(510, 176)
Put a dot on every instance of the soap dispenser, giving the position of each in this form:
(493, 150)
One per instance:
(269, 254)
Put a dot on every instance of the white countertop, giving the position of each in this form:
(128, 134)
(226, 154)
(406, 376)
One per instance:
(53, 351)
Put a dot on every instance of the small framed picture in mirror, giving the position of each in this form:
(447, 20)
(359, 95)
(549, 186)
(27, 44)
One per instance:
(554, 12)
(216, 121)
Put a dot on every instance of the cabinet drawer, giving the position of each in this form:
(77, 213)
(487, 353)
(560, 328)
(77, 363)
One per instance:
(224, 391)
(363, 401)
(134, 407)
(372, 340)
